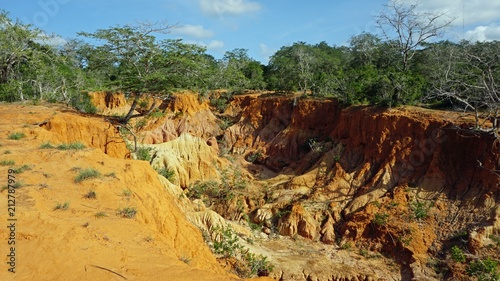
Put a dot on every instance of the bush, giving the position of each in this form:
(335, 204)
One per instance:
(169, 174)
(87, 174)
(7, 163)
(484, 270)
(128, 212)
(380, 219)
(82, 102)
(420, 210)
(143, 153)
(457, 254)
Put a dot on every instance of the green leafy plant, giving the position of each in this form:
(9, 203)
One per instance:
(17, 136)
(484, 270)
(457, 254)
(420, 209)
(127, 212)
(87, 174)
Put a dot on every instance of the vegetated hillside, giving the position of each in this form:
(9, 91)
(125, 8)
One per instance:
(401, 189)
(83, 211)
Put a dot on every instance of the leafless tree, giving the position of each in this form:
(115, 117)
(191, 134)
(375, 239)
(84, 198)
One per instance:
(410, 26)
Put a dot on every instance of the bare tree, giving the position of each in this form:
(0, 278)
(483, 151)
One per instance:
(469, 76)
(411, 27)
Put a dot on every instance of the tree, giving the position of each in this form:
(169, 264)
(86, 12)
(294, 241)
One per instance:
(136, 58)
(468, 75)
(407, 28)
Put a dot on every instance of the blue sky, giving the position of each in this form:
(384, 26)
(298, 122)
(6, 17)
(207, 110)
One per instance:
(262, 27)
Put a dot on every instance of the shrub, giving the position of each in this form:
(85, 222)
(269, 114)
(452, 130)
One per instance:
(17, 136)
(420, 210)
(87, 174)
(82, 102)
(127, 212)
(484, 270)
(143, 153)
(457, 254)
(169, 174)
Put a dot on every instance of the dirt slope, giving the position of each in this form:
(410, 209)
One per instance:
(90, 240)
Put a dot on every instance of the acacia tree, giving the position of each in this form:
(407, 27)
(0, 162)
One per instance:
(135, 57)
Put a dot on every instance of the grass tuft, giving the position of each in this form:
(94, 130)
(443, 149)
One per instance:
(87, 174)
(17, 136)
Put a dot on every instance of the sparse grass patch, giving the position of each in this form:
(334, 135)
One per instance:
(17, 136)
(127, 212)
(380, 219)
(127, 193)
(90, 195)
(420, 209)
(7, 163)
(99, 215)
(71, 146)
(87, 174)
(46, 145)
(22, 169)
(62, 206)
(7, 152)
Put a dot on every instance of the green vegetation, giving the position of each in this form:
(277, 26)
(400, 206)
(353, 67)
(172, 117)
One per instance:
(87, 174)
(143, 153)
(484, 270)
(70, 146)
(380, 219)
(385, 70)
(420, 209)
(127, 212)
(62, 206)
(7, 163)
(168, 173)
(17, 136)
(457, 254)
(101, 214)
(249, 264)
(21, 169)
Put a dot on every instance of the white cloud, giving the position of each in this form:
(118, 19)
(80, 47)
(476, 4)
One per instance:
(215, 45)
(483, 33)
(265, 51)
(464, 12)
(195, 31)
(229, 7)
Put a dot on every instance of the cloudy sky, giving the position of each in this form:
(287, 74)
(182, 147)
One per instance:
(260, 26)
